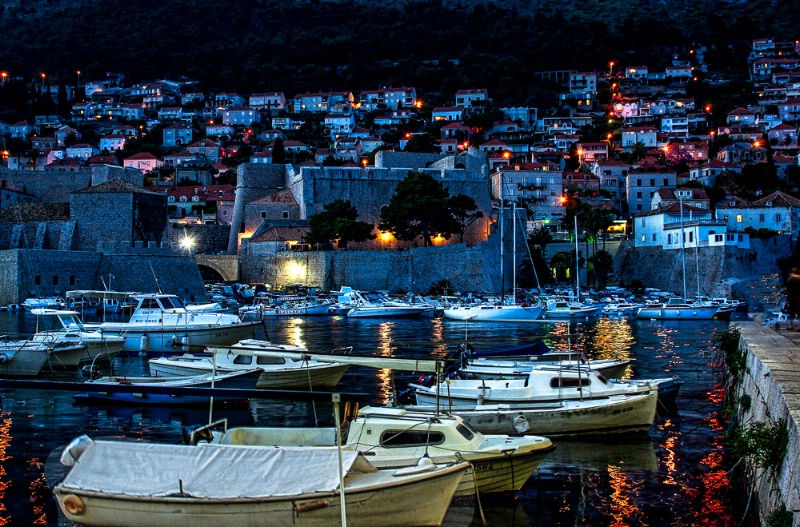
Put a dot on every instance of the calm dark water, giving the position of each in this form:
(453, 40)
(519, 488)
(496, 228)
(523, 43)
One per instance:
(676, 475)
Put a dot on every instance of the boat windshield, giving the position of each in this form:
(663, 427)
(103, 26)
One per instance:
(171, 302)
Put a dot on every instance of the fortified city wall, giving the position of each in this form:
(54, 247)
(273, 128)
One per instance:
(467, 268)
(61, 271)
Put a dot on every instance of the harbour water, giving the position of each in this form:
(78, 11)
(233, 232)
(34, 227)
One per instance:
(676, 475)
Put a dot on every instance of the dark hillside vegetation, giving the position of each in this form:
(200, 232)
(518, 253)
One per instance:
(438, 46)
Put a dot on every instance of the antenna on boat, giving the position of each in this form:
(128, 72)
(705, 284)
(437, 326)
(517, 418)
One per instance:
(155, 277)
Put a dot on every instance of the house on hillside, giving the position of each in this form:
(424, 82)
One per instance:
(643, 183)
(778, 212)
(143, 161)
(689, 197)
(676, 227)
(465, 98)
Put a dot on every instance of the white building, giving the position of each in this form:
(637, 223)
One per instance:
(777, 212)
(682, 227)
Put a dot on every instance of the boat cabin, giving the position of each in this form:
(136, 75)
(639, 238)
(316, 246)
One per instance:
(57, 320)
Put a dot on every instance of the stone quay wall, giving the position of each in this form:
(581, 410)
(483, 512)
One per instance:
(772, 380)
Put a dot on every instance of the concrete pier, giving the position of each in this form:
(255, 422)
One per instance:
(772, 380)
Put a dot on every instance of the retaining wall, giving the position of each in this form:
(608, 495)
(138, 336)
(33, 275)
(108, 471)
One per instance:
(772, 380)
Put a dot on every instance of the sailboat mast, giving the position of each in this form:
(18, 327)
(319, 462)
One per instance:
(683, 249)
(577, 263)
(514, 259)
(502, 253)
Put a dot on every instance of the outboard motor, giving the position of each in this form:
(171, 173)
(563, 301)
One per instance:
(91, 371)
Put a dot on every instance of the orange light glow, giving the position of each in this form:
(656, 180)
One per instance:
(506, 154)
(756, 143)
(386, 236)
(408, 135)
(562, 199)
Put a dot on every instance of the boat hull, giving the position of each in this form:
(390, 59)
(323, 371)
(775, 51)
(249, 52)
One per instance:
(387, 312)
(246, 381)
(678, 313)
(179, 338)
(618, 414)
(421, 501)
(495, 313)
(316, 376)
(25, 362)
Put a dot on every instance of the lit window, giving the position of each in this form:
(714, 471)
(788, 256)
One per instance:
(738, 218)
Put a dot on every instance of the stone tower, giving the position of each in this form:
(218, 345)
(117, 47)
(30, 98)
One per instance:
(254, 181)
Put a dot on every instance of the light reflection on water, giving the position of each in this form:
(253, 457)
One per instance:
(676, 476)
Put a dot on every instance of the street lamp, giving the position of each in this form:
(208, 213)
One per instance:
(4, 75)
(187, 243)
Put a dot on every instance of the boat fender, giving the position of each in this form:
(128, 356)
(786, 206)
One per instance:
(425, 464)
(185, 344)
(521, 424)
(312, 505)
(175, 341)
(73, 505)
(144, 343)
(74, 450)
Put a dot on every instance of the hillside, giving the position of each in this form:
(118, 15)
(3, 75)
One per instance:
(438, 46)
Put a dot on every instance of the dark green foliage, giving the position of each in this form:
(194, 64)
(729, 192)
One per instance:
(602, 263)
(338, 221)
(419, 207)
(762, 444)
(463, 210)
(422, 143)
(760, 233)
(780, 517)
(728, 342)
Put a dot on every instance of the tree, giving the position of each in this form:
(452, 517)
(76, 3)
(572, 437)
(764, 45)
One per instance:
(338, 221)
(422, 143)
(603, 263)
(278, 152)
(419, 207)
(463, 210)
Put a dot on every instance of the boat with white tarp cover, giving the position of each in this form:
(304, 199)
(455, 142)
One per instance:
(122, 483)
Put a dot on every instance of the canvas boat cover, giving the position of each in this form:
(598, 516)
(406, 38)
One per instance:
(208, 471)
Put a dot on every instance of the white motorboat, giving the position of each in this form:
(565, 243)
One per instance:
(677, 309)
(160, 323)
(51, 302)
(23, 358)
(617, 414)
(620, 308)
(496, 313)
(564, 310)
(278, 371)
(485, 368)
(376, 305)
(71, 342)
(395, 437)
(122, 483)
(543, 385)
(299, 308)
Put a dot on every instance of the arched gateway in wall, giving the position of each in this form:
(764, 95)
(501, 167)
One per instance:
(221, 267)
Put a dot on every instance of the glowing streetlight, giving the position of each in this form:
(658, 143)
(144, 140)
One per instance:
(611, 68)
(4, 75)
(79, 77)
(187, 243)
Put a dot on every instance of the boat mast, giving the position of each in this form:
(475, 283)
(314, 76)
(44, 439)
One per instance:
(514, 259)
(502, 254)
(577, 263)
(683, 248)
